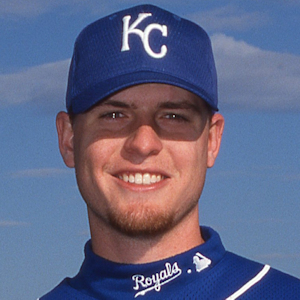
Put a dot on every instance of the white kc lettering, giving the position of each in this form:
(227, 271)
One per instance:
(144, 35)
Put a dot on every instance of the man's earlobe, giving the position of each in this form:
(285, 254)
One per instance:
(65, 138)
(214, 138)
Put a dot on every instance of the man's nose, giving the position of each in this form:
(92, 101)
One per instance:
(143, 142)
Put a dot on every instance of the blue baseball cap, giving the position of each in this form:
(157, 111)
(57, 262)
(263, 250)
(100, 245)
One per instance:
(142, 44)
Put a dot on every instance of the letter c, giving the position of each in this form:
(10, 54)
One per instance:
(164, 30)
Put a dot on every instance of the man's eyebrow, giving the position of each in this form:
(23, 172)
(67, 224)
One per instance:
(179, 105)
(116, 103)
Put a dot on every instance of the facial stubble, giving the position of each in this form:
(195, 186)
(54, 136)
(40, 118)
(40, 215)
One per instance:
(140, 220)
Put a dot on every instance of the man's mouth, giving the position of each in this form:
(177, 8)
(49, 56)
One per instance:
(139, 178)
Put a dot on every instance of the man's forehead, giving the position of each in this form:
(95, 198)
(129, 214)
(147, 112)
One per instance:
(156, 95)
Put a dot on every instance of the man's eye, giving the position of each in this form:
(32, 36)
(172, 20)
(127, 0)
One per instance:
(112, 115)
(175, 117)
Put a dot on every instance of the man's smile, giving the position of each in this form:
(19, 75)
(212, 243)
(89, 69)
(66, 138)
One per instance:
(141, 178)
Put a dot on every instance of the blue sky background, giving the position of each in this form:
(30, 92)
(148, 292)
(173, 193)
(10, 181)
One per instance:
(251, 195)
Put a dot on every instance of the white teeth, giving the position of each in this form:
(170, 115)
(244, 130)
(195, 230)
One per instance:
(131, 178)
(146, 178)
(125, 177)
(153, 179)
(139, 178)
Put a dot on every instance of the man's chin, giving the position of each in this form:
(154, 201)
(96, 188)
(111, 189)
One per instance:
(145, 223)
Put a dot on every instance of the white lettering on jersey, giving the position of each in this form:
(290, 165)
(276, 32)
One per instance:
(145, 284)
(144, 35)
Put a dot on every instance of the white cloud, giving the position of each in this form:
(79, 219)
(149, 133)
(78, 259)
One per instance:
(252, 78)
(229, 18)
(292, 177)
(272, 172)
(277, 256)
(5, 223)
(45, 85)
(24, 8)
(46, 172)
(16, 9)
(32, 8)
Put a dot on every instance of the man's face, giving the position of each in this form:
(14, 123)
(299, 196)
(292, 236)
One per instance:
(141, 157)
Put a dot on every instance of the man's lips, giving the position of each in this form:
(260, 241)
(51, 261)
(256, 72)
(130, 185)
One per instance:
(140, 178)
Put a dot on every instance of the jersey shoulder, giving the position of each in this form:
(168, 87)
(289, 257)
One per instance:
(276, 285)
(268, 283)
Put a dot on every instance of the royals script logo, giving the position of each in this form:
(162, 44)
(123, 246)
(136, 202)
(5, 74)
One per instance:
(154, 282)
(144, 35)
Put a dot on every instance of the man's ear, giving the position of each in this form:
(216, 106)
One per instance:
(214, 138)
(65, 138)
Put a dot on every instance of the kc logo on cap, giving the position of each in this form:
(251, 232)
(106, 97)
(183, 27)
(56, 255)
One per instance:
(144, 35)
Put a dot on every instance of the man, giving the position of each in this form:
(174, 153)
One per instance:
(142, 128)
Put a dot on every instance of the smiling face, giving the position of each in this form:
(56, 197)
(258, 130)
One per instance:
(141, 157)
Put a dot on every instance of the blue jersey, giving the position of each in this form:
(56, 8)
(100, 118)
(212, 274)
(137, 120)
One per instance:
(206, 272)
